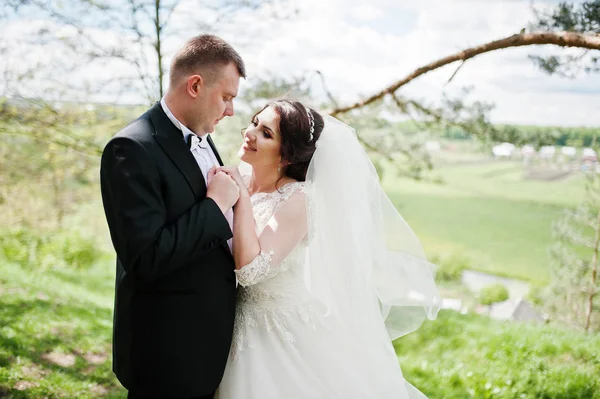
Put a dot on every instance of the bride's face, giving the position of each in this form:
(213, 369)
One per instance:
(262, 141)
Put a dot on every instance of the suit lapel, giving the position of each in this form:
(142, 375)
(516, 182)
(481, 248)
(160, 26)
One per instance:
(171, 140)
(214, 148)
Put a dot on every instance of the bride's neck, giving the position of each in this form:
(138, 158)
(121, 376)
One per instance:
(264, 180)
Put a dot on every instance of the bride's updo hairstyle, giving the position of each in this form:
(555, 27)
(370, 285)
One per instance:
(300, 128)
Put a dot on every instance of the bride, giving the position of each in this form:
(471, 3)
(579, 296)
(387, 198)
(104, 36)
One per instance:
(329, 273)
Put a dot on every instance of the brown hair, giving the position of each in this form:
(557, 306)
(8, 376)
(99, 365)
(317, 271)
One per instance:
(205, 51)
(297, 146)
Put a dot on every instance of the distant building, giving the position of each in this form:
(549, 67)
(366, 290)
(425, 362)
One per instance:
(568, 151)
(504, 150)
(516, 310)
(452, 303)
(589, 155)
(433, 146)
(547, 151)
(527, 151)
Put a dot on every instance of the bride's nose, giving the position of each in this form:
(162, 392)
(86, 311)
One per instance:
(246, 133)
(250, 135)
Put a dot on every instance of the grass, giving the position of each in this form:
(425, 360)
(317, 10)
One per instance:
(55, 333)
(488, 213)
(470, 356)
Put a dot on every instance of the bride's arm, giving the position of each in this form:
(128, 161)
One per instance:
(256, 255)
(284, 230)
(246, 245)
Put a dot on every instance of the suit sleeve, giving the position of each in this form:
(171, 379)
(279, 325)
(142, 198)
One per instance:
(147, 245)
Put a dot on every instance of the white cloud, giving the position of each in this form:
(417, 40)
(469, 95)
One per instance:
(366, 12)
(360, 56)
(361, 49)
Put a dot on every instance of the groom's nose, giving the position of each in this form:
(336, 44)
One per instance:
(228, 110)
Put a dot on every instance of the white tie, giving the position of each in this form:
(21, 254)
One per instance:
(199, 149)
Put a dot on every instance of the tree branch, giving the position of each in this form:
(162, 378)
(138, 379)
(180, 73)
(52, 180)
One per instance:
(327, 92)
(455, 72)
(562, 39)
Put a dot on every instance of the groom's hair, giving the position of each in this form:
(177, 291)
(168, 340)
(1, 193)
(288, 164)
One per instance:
(203, 55)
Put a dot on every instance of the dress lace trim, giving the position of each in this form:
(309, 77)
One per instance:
(256, 270)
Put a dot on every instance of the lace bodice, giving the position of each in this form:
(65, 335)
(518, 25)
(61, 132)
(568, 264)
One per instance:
(264, 206)
(270, 292)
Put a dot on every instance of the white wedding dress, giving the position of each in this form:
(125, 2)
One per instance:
(282, 345)
(339, 276)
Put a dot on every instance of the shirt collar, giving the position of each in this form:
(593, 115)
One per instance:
(184, 129)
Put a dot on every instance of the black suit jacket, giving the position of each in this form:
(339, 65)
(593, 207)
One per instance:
(175, 285)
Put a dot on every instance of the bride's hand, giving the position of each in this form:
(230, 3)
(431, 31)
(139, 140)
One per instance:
(234, 173)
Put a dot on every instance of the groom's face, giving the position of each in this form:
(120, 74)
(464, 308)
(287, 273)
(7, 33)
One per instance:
(217, 100)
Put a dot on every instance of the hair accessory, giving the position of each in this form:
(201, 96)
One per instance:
(311, 120)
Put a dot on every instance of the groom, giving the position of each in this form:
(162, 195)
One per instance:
(175, 285)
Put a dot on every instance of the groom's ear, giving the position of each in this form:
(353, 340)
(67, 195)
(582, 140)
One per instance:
(195, 83)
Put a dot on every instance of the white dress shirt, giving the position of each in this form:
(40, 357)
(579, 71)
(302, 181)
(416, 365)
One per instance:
(202, 152)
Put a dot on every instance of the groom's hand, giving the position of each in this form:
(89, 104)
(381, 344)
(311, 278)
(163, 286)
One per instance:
(222, 189)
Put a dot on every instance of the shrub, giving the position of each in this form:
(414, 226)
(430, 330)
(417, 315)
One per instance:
(65, 248)
(451, 268)
(493, 293)
(536, 293)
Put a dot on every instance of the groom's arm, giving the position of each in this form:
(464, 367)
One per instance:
(146, 244)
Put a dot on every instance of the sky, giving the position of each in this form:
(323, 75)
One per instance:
(361, 47)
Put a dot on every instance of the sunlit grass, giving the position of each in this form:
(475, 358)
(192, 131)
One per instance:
(55, 332)
(470, 356)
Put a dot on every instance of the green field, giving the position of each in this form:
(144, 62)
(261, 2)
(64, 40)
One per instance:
(56, 333)
(488, 213)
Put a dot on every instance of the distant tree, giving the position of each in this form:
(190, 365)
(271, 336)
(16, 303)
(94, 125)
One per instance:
(583, 18)
(573, 295)
(129, 37)
(54, 89)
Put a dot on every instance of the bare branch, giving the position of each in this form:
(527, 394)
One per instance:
(455, 72)
(47, 139)
(562, 39)
(371, 147)
(170, 11)
(329, 95)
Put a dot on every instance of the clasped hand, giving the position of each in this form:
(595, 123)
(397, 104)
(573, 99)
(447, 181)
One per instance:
(225, 186)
